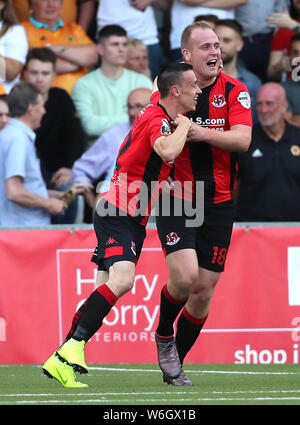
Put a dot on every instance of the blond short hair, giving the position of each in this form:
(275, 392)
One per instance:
(135, 43)
(187, 32)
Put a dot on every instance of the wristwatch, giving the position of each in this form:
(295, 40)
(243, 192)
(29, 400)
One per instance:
(296, 28)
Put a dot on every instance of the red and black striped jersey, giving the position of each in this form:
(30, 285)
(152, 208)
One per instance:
(139, 172)
(221, 105)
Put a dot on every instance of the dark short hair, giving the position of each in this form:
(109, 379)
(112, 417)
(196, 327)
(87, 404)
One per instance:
(110, 30)
(295, 37)
(207, 18)
(20, 97)
(42, 54)
(171, 75)
(293, 11)
(231, 23)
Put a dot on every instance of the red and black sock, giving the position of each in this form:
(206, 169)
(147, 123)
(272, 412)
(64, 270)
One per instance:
(75, 320)
(188, 330)
(169, 310)
(98, 305)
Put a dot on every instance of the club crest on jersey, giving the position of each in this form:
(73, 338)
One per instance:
(116, 179)
(219, 101)
(165, 128)
(244, 99)
(172, 238)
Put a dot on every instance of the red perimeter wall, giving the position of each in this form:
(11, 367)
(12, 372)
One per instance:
(254, 317)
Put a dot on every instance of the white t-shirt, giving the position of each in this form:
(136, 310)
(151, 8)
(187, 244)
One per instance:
(13, 45)
(183, 15)
(138, 24)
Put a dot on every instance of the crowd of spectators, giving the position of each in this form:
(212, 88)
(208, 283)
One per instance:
(91, 60)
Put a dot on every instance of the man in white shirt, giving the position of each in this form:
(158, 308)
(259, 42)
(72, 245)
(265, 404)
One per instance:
(137, 17)
(184, 12)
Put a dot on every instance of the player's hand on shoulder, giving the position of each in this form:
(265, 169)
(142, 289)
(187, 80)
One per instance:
(196, 133)
(182, 120)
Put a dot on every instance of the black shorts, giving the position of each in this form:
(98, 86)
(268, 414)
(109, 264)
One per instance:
(119, 239)
(210, 240)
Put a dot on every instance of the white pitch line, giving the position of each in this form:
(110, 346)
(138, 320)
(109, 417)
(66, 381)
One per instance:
(146, 393)
(256, 392)
(153, 400)
(108, 401)
(104, 396)
(112, 369)
(117, 369)
(250, 399)
(96, 394)
(241, 372)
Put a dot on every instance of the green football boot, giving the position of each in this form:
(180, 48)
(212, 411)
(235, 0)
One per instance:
(62, 372)
(72, 352)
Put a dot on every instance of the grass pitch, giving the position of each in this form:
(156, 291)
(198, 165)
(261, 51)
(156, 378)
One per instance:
(141, 384)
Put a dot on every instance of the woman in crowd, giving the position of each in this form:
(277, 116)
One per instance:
(13, 46)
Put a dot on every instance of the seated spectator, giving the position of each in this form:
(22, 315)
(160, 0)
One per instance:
(292, 84)
(78, 11)
(100, 97)
(184, 12)
(99, 160)
(230, 34)
(24, 200)
(60, 139)
(13, 47)
(137, 57)
(138, 19)
(269, 173)
(75, 51)
(4, 111)
(288, 23)
(257, 34)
